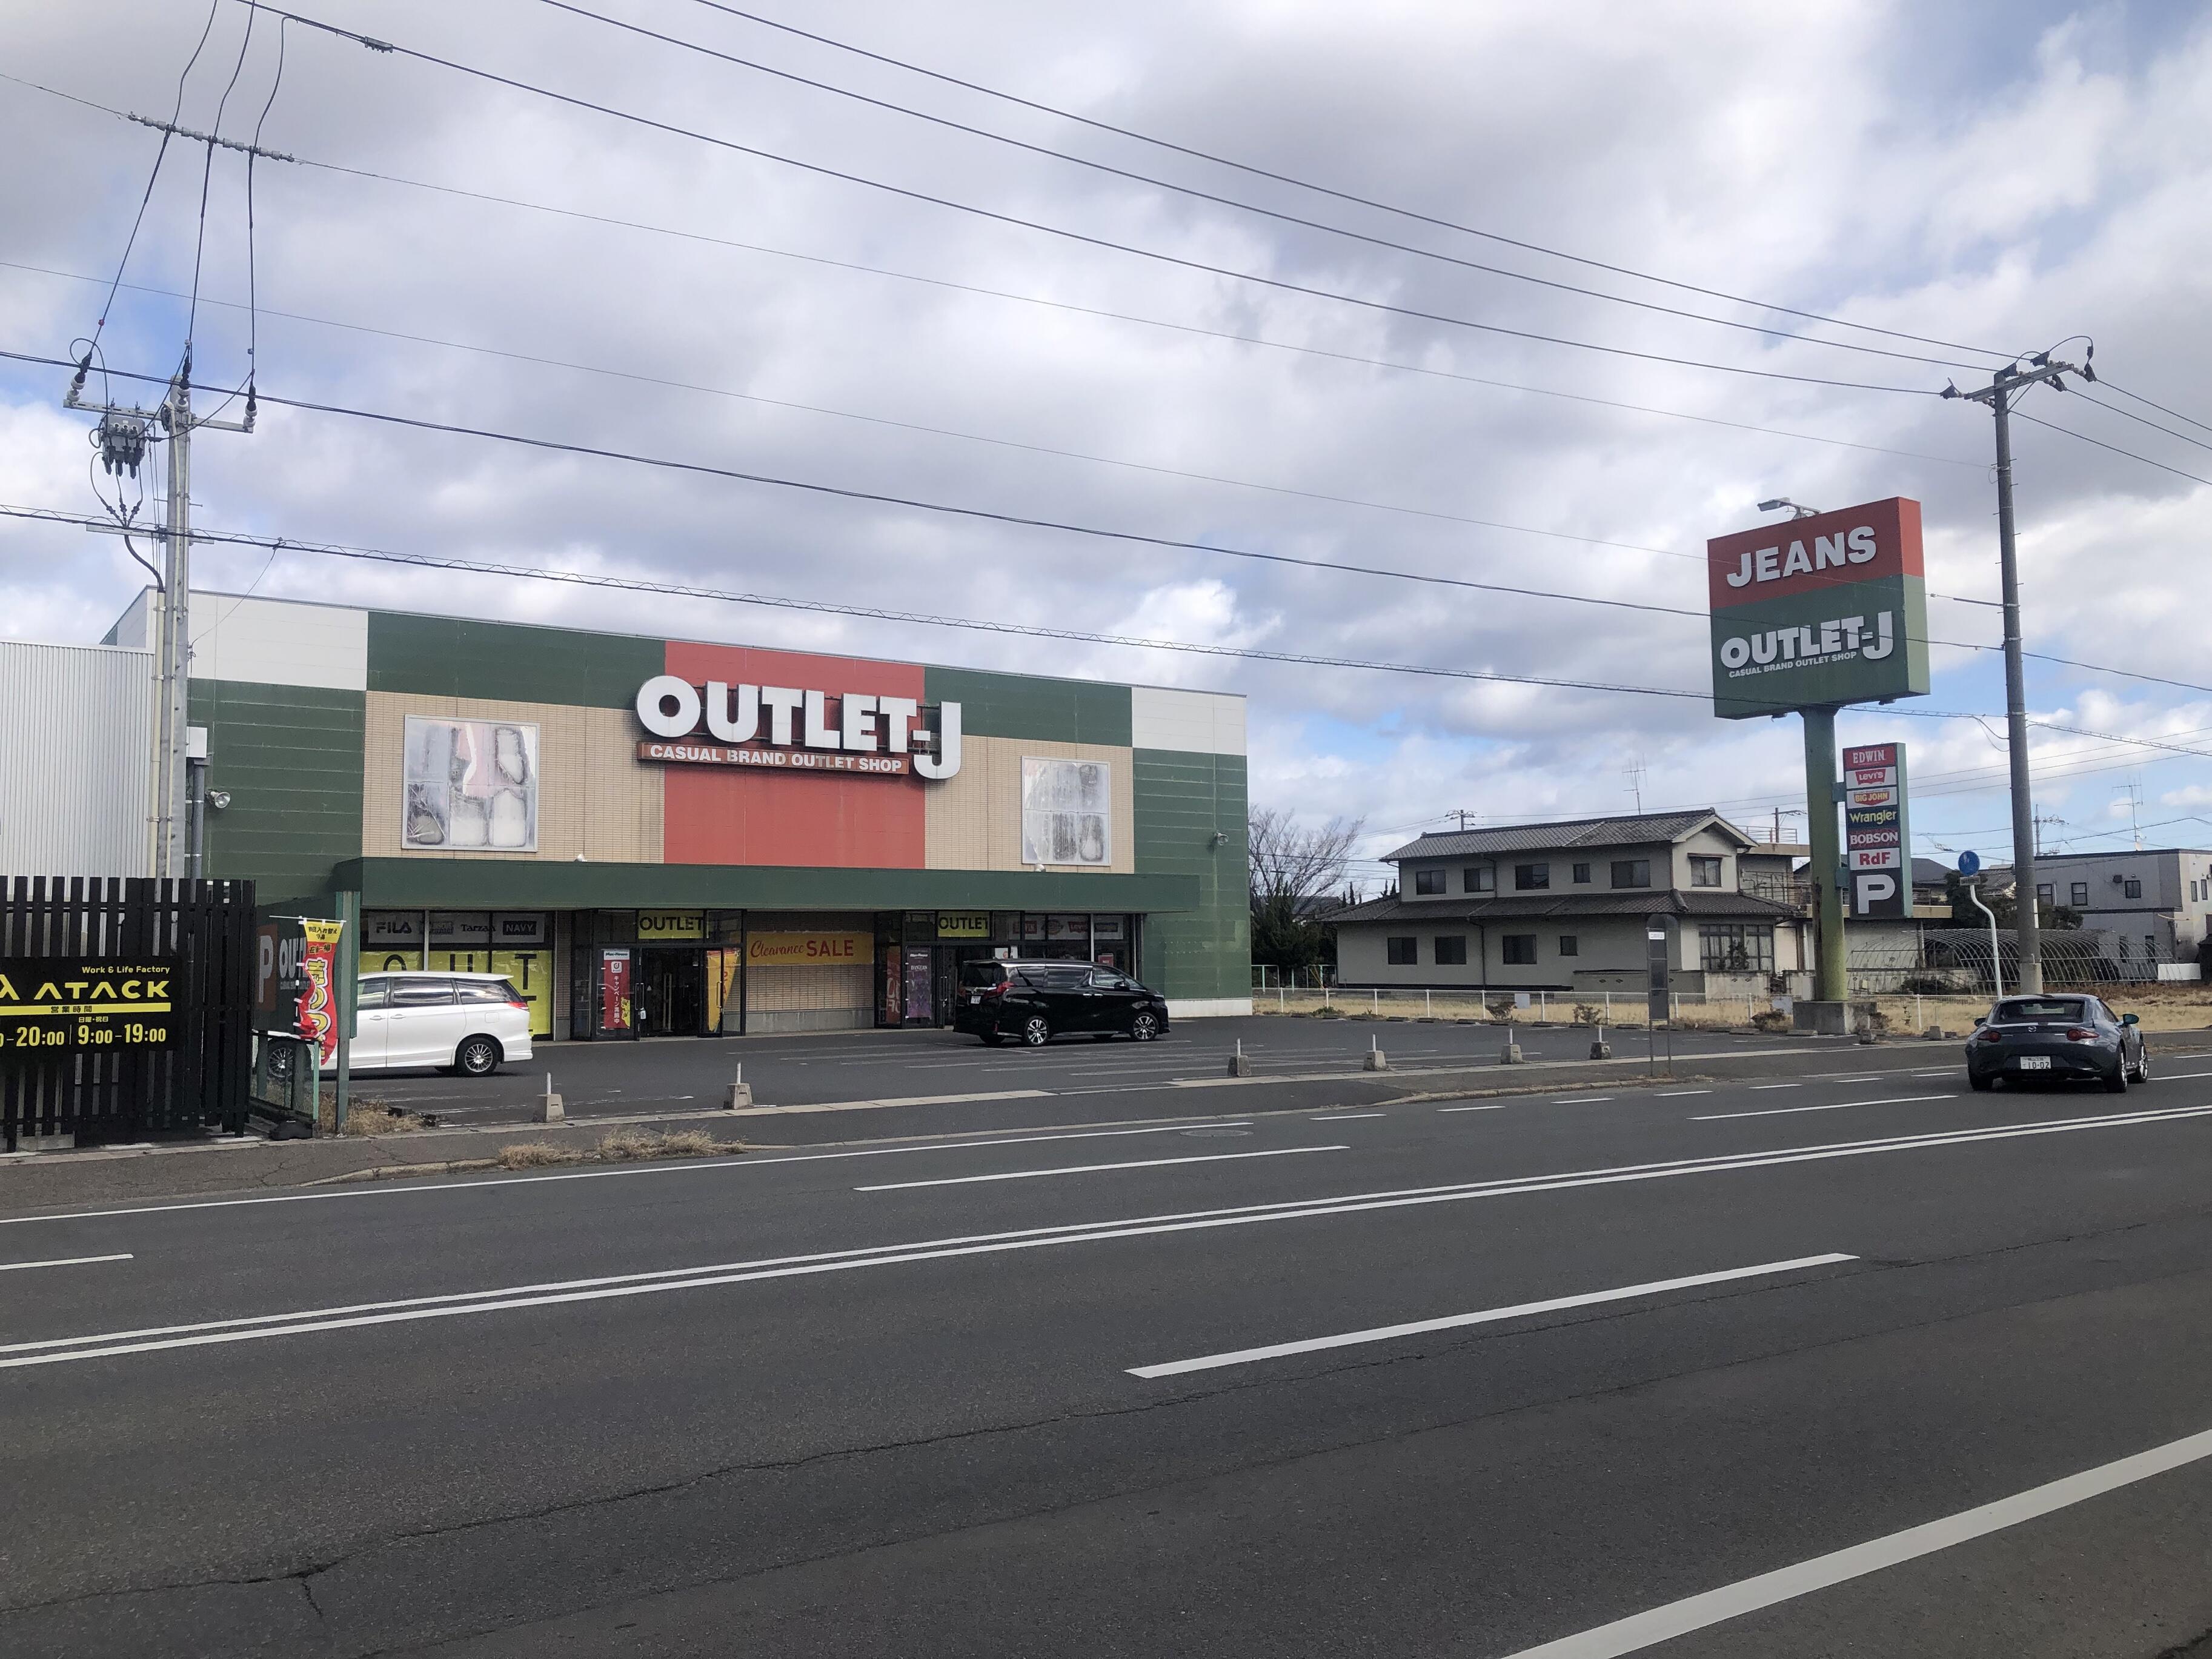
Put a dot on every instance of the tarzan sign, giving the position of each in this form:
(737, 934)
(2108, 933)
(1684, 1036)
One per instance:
(60, 1005)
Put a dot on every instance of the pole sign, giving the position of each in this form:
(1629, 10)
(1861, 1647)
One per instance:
(1877, 835)
(1818, 611)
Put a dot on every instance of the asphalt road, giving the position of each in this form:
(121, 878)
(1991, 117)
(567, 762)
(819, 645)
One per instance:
(1837, 1361)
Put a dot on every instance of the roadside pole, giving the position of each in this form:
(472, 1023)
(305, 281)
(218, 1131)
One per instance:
(1830, 959)
(346, 969)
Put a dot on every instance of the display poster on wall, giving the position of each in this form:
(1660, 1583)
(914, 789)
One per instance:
(1877, 834)
(613, 990)
(319, 1008)
(921, 1004)
(469, 786)
(530, 972)
(809, 949)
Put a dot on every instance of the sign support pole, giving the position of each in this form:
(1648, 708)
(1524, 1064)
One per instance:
(1830, 960)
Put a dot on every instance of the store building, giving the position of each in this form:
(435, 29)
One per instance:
(666, 836)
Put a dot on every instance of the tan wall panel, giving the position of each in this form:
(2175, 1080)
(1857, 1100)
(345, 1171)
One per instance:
(593, 798)
(975, 818)
(780, 990)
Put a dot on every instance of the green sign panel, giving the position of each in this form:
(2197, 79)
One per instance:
(1818, 611)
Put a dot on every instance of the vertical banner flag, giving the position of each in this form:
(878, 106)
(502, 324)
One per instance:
(1877, 838)
(1820, 612)
(319, 1008)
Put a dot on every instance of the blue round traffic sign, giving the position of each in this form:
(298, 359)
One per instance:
(1969, 863)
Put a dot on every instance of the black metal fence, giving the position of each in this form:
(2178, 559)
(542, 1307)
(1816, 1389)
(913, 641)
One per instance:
(204, 931)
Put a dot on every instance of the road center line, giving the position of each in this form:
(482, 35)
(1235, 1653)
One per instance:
(1835, 1106)
(1714, 1607)
(1213, 1361)
(60, 1262)
(1095, 1168)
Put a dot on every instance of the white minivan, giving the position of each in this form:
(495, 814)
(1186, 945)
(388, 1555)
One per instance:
(466, 1023)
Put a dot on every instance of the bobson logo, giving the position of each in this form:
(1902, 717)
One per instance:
(779, 728)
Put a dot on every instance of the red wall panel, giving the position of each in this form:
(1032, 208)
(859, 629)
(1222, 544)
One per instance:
(718, 816)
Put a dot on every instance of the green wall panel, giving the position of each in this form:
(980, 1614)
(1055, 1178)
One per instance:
(1181, 801)
(445, 656)
(290, 759)
(1023, 706)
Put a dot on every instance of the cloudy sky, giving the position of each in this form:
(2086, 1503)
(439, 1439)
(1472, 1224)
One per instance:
(1997, 178)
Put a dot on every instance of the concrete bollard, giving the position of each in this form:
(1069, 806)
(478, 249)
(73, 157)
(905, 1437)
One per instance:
(1239, 1065)
(1600, 1049)
(1509, 1055)
(739, 1093)
(550, 1110)
(1376, 1060)
(1935, 1034)
(1865, 1038)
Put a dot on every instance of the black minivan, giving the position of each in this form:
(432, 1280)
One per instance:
(1038, 1001)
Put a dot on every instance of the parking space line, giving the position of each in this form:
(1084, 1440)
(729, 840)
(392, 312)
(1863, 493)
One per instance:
(1096, 1168)
(1487, 1316)
(1714, 1607)
(60, 1262)
(1833, 1106)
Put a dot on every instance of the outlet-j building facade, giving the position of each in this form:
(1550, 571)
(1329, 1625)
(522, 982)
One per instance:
(665, 836)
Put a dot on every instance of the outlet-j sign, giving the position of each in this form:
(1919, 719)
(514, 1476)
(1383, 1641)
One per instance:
(1818, 611)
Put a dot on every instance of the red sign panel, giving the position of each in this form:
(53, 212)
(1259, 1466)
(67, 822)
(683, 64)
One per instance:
(1808, 555)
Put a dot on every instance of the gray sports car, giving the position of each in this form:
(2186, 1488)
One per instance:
(2024, 1039)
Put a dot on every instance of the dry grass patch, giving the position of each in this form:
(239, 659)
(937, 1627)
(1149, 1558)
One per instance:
(617, 1147)
(367, 1115)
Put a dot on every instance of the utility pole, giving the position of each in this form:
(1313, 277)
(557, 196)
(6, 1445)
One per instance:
(2004, 387)
(173, 645)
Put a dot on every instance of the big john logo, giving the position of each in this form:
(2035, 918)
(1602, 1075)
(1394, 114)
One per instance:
(1818, 611)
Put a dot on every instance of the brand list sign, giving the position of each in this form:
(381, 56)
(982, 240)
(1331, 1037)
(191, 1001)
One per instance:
(1820, 612)
(1877, 837)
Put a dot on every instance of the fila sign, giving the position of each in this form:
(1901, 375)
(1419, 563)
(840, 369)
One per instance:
(781, 728)
(1818, 611)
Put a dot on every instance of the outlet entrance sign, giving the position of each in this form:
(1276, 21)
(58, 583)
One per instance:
(1877, 836)
(1818, 612)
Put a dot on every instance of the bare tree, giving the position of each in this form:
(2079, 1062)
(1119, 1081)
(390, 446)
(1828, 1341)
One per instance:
(1293, 870)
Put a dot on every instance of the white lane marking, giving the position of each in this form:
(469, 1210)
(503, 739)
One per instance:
(60, 1262)
(1499, 1106)
(1488, 1317)
(1714, 1607)
(1677, 1094)
(1871, 1077)
(1066, 1233)
(696, 1168)
(1836, 1106)
(2180, 1077)
(1094, 1168)
(1346, 1117)
(1756, 1087)
(1578, 1100)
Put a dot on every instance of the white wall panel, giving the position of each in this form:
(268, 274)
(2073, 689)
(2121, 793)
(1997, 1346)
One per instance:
(1195, 722)
(279, 642)
(76, 735)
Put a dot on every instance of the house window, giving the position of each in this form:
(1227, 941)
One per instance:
(1582, 872)
(1428, 881)
(2046, 893)
(2134, 888)
(1520, 949)
(1735, 948)
(1526, 876)
(2150, 947)
(1704, 872)
(1401, 952)
(1452, 950)
(1480, 878)
(1570, 945)
(2080, 895)
(1631, 872)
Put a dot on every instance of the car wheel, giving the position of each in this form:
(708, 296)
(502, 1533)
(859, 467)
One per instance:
(1145, 1027)
(2143, 1067)
(477, 1056)
(1979, 1084)
(1037, 1031)
(2116, 1084)
(279, 1060)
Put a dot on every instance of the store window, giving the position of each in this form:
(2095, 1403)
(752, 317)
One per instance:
(1527, 877)
(1401, 952)
(1631, 872)
(1480, 878)
(1429, 881)
(1735, 948)
(1520, 949)
(1705, 872)
(1452, 950)
(1066, 812)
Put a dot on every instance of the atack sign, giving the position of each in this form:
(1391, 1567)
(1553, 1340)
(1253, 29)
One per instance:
(1818, 611)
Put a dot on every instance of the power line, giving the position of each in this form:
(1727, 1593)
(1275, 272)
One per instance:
(1324, 190)
(1023, 521)
(2148, 404)
(1278, 283)
(836, 90)
(2115, 448)
(1104, 314)
(207, 174)
(2141, 420)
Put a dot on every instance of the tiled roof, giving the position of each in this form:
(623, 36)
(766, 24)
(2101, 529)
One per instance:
(1625, 830)
(1692, 903)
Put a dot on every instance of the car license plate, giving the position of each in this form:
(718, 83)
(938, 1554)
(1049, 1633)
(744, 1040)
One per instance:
(975, 996)
(2035, 1062)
